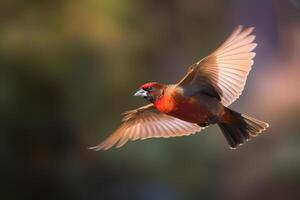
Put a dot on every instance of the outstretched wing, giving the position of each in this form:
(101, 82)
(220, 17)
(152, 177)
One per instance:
(147, 122)
(223, 73)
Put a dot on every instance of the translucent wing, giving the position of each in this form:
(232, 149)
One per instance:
(226, 69)
(147, 122)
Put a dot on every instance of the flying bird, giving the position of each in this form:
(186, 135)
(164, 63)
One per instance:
(201, 98)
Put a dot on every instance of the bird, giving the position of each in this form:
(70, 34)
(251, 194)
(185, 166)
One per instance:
(200, 99)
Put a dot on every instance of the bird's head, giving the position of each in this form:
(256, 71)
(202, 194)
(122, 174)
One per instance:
(151, 91)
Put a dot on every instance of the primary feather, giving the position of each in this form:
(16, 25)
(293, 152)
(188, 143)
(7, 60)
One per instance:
(227, 68)
(147, 122)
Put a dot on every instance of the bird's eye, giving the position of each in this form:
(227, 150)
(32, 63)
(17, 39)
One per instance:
(150, 89)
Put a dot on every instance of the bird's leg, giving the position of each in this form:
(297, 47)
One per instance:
(204, 124)
(210, 120)
(213, 120)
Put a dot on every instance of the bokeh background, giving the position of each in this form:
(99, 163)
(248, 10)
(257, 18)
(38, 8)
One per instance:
(69, 68)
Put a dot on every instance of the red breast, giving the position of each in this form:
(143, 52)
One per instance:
(174, 103)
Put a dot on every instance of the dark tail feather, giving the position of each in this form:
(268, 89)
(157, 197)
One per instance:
(239, 128)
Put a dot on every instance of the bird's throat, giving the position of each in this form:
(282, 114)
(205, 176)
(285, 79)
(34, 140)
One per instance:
(165, 104)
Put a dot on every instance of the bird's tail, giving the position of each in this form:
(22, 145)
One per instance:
(238, 128)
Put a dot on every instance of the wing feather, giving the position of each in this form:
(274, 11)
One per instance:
(147, 122)
(226, 68)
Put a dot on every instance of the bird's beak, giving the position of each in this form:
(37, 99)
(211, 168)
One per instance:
(141, 93)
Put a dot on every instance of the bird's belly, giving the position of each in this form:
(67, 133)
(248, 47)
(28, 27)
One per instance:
(191, 112)
(187, 109)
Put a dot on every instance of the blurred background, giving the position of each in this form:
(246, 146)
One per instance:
(69, 68)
